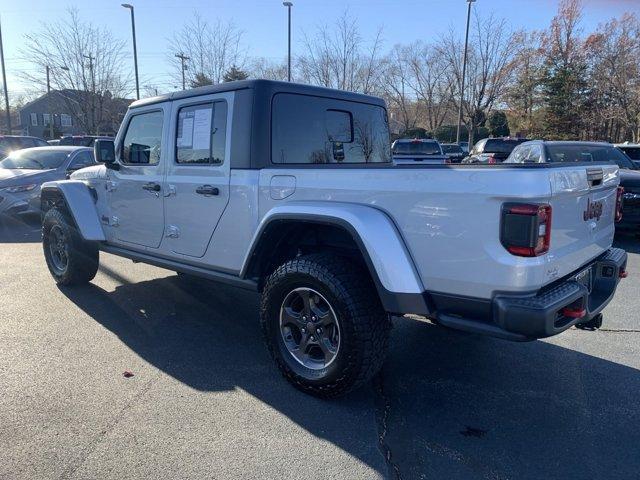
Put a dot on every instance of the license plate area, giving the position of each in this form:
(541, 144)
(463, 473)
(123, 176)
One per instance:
(585, 278)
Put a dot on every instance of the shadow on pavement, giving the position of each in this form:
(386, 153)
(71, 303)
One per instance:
(208, 337)
(20, 230)
(454, 406)
(630, 243)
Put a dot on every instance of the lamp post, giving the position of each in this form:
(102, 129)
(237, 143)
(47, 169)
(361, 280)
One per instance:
(135, 50)
(289, 5)
(51, 115)
(464, 69)
(4, 83)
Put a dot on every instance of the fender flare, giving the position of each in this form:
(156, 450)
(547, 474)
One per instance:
(80, 204)
(383, 248)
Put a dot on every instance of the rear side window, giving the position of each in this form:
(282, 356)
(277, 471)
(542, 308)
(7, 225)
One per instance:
(202, 133)
(501, 146)
(143, 139)
(586, 153)
(307, 129)
(82, 159)
(632, 152)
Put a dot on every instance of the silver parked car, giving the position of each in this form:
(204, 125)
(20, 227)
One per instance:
(24, 171)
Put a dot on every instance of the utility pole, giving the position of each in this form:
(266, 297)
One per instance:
(289, 5)
(183, 58)
(49, 103)
(4, 82)
(93, 93)
(464, 70)
(135, 50)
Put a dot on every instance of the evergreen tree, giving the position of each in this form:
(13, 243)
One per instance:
(200, 80)
(234, 74)
(498, 124)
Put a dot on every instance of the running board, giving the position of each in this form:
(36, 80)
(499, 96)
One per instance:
(213, 275)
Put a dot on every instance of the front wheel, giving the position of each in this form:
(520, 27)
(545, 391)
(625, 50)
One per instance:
(71, 260)
(324, 324)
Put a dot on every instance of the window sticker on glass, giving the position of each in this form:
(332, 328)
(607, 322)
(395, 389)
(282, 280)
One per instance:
(202, 129)
(185, 127)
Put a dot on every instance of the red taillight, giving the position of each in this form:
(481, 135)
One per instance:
(619, 203)
(623, 274)
(525, 230)
(492, 160)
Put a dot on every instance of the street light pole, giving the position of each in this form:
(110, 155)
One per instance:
(182, 58)
(4, 83)
(289, 5)
(135, 50)
(49, 103)
(464, 70)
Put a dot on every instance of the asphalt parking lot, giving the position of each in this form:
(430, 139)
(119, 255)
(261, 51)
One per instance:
(205, 401)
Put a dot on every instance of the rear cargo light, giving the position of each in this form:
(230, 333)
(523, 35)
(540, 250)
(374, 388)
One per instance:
(619, 203)
(525, 230)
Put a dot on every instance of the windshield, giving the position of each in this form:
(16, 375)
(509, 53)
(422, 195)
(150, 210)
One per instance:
(632, 152)
(501, 146)
(416, 148)
(451, 149)
(588, 153)
(34, 159)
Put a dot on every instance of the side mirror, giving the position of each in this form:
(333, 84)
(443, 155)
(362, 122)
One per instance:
(104, 151)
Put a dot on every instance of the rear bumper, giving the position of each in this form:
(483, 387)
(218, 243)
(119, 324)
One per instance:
(523, 317)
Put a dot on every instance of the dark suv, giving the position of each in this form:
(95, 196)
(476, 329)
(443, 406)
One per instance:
(493, 150)
(81, 140)
(9, 143)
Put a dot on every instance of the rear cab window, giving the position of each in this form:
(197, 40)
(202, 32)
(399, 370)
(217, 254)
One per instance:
(317, 130)
(417, 147)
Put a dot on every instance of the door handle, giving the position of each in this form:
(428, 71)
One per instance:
(151, 187)
(207, 190)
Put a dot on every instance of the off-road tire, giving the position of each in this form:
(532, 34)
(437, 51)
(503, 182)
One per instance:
(82, 256)
(364, 325)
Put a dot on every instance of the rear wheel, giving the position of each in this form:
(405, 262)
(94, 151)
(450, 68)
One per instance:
(71, 260)
(324, 324)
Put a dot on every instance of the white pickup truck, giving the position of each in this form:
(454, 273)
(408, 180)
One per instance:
(290, 190)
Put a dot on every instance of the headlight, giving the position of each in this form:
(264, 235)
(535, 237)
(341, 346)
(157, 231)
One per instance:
(19, 188)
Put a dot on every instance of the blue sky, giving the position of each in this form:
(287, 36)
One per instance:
(264, 22)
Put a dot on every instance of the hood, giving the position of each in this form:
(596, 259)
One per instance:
(629, 178)
(88, 173)
(18, 176)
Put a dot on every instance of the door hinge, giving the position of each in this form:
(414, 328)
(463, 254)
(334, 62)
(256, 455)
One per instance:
(172, 231)
(115, 221)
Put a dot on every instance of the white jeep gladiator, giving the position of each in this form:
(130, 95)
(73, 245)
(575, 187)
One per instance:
(290, 190)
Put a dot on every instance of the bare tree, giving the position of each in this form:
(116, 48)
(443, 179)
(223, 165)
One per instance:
(490, 67)
(85, 59)
(212, 49)
(432, 83)
(396, 87)
(524, 95)
(613, 51)
(263, 68)
(339, 58)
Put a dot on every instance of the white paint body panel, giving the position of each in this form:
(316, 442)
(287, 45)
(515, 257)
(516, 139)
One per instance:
(434, 229)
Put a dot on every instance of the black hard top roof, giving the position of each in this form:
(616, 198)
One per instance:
(267, 86)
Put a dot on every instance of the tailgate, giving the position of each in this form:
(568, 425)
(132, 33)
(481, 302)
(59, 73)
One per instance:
(583, 199)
